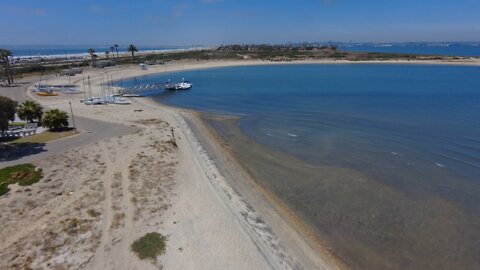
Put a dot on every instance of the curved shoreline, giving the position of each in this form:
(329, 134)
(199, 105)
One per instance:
(132, 71)
(254, 190)
(274, 250)
(256, 213)
(285, 213)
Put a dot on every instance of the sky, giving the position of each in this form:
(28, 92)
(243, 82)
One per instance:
(215, 22)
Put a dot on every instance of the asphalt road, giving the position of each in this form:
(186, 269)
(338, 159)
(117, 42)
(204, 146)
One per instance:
(90, 130)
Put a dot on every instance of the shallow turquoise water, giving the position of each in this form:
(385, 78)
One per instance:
(413, 128)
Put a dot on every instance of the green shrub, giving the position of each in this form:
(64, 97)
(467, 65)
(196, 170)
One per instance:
(24, 175)
(149, 246)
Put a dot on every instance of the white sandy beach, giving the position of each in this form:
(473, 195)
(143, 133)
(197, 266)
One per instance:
(95, 200)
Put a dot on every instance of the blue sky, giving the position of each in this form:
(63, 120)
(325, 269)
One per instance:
(211, 22)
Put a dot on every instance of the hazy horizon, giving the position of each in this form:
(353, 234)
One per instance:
(206, 45)
(215, 22)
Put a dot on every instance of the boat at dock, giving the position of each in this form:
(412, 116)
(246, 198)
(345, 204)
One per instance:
(184, 85)
(145, 89)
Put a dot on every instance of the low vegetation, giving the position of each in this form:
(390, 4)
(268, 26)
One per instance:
(24, 175)
(149, 246)
(45, 136)
(265, 52)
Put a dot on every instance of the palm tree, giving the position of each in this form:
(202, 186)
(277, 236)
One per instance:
(5, 59)
(30, 110)
(132, 49)
(7, 112)
(95, 56)
(91, 51)
(116, 49)
(106, 54)
(55, 119)
(112, 49)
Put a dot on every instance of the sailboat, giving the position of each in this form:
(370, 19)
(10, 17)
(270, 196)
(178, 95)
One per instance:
(44, 89)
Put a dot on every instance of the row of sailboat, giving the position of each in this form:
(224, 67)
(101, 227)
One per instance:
(108, 95)
(107, 91)
(46, 89)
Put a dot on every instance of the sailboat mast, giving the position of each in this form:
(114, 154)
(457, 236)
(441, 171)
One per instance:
(84, 90)
(101, 85)
(89, 86)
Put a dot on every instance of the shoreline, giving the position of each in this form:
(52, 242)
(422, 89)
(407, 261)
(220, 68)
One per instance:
(261, 203)
(275, 251)
(182, 65)
(254, 190)
(276, 211)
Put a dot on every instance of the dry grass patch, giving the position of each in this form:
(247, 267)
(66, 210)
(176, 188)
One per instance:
(117, 220)
(45, 136)
(93, 213)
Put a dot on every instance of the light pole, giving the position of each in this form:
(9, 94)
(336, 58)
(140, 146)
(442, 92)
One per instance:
(73, 118)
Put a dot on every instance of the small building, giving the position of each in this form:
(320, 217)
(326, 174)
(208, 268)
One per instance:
(71, 71)
(104, 63)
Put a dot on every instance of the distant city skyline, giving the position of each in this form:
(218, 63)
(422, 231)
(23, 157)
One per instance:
(214, 22)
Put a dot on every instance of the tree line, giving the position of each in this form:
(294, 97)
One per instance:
(7, 67)
(30, 111)
(113, 49)
(8, 71)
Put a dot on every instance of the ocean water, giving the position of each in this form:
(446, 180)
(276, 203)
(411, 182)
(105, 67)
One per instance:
(74, 50)
(465, 50)
(405, 140)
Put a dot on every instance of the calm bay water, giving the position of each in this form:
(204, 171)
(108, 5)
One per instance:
(465, 50)
(430, 113)
(413, 129)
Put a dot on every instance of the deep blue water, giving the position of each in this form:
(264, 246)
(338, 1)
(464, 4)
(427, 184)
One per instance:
(403, 124)
(465, 50)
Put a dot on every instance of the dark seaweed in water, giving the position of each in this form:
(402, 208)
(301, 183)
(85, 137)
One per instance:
(387, 157)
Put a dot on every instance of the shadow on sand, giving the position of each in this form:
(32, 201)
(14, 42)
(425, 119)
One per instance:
(9, 152)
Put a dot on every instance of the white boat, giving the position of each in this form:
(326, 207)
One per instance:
(131, 95)
(94, 101)
(43, 88)
(121, 101)
(184, 85)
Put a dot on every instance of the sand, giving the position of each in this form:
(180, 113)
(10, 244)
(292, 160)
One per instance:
(95, 200)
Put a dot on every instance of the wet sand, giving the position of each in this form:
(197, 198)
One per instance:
(355, 219)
